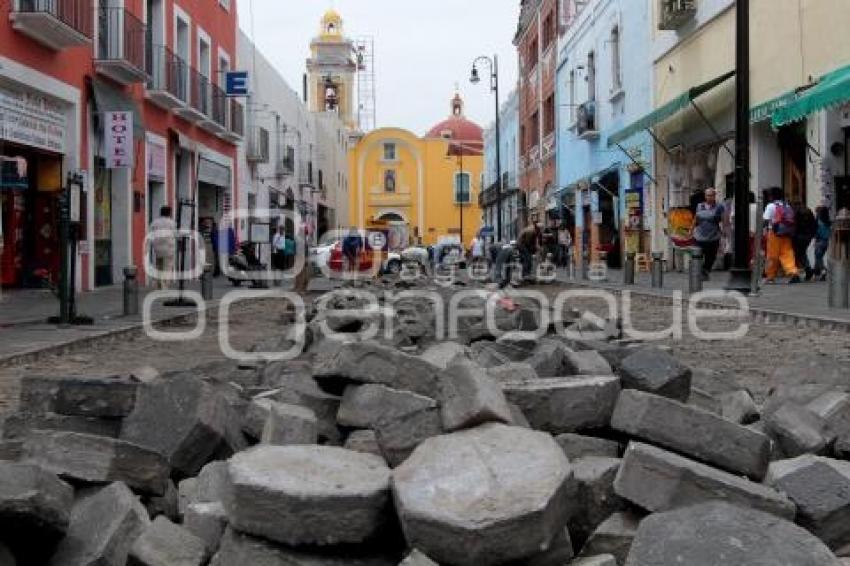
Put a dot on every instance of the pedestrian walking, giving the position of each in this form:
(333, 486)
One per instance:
(707, 230)
(163, 232)
(822, 237)
(779, 218)
(279, 249)
(565, 240)
(352, 247)
(806, 229)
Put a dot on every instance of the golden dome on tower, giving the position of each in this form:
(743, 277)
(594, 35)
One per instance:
(331, 24)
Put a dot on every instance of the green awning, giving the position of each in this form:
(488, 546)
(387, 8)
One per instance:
(660, 114)
(109, 99)
(766, 110)
(833, 89)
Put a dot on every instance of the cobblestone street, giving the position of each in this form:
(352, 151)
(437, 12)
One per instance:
(749, 361)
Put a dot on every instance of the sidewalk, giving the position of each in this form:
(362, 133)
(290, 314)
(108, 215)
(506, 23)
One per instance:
(806, 301)
(25, 333)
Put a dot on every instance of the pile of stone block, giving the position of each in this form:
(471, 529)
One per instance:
(496, 451)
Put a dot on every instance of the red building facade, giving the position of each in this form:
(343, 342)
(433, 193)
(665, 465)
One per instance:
(63, 65)
(536, 41)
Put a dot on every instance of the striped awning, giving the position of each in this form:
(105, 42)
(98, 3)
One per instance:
(660, 114)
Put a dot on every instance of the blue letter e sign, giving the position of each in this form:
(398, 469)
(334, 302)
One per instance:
(236, 83)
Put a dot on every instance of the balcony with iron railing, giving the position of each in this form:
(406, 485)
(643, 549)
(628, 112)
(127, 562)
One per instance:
(57, 24)
(586, 124)
(235, 122)
(676, 13)
(257, 146)
(167, 77)
(216, 122)
(198, 109)
(120, 51)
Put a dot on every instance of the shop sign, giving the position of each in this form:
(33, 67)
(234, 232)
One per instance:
(155, 161)
(634, 204)
(29, 118)
(118, 132)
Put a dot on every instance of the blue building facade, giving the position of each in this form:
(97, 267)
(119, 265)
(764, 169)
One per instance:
(511, 194)
(605, 189)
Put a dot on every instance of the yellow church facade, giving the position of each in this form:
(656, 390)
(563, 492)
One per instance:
(427, 185)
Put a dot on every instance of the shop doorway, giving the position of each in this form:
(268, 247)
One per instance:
(30, 189)
(103, 260)
(794, 146)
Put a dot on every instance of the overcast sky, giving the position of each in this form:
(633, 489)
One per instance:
(422, 49)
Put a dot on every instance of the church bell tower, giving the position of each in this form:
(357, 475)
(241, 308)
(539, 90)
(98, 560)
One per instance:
(330, 71)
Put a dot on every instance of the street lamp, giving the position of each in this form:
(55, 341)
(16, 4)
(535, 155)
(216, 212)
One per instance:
(474, 78)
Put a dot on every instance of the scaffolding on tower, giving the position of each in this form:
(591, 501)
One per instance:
(364, 48)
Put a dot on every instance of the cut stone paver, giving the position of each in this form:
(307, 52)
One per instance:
(595, 498)
(300, 495)
(290, 424)
(565, 404)
(693, 432)
(719, 533)
(207, 521)
(165, 544)
(658, 480)
(483, 496)
(182, 418)
(111, 397)
(104, 525)
(656, 371)
(400, 435)
(587, 362)
(820, 487)
(370, 362)
(363, 441)
(739, 407)
(798, 430)
(469, 397)
(97, 459)
(363, 406)
(513, 371)
(613, 537)
(577, 446)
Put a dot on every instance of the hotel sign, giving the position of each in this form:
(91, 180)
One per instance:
(118, 132)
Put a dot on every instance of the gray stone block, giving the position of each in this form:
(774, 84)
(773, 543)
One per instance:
(463, 497)
(549, 358)
(834, 408)
(594, 497)
(469, 398)
(167, 504)
(560, 551)
(97, 459)
(416, 558)
(255, 417)
(363, 441)
(400, 435)
(111, 397)
(798, 430)
(716, 533)
(370, 362)
(18, 425)
(443, 353)
(363, 406)
(513, 371)
(301, 495)
(290, 424)
(565, 404)
(164, 543)
(739, 407)
(656, 371)
(35, 509)
(658, 480)
(587, 362)
(299, 388)
(613, 537)
(599, 560)
(104, 525)
(11, 449)
(207, 521)
(182, 418)
(705, 401)
(820, 487)
(691, 431)
(238, 549)
(577, 446)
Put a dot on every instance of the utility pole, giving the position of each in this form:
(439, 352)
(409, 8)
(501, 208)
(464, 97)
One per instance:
(740, 277)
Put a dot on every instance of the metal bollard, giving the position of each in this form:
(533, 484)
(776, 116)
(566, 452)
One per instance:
(583, 274)
(601, 267)
(207, 282)
(657, 270)
(629, 269)
(131, 291)
(695, 273)
(839, 297)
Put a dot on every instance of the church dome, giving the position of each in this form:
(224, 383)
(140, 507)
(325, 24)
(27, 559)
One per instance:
(457, 127)
(332, 23)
